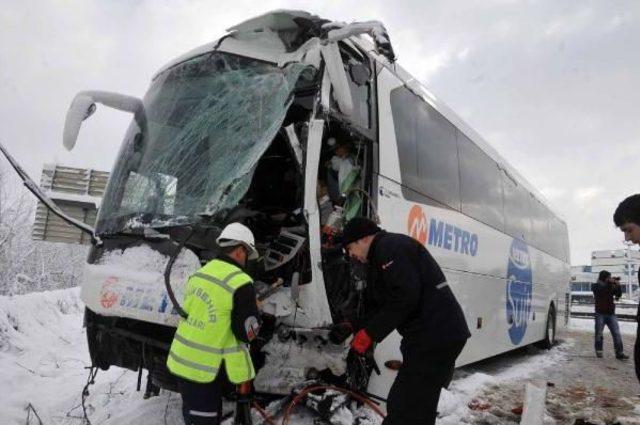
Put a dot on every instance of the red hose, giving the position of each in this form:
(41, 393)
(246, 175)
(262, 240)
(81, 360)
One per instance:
(268, 419)
(307, 390)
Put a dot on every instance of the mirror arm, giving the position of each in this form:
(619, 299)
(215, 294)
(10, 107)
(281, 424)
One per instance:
(113, 100)
(84, 105)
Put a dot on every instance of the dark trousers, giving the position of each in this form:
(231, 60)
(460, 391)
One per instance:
(201, 403)
(636, 353)
(612, 323)
(413, 398)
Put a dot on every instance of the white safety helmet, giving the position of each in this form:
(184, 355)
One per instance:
(235, 234)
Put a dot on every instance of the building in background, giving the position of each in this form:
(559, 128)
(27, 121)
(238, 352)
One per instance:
(78, 192)
(581, 279)
(622, 263)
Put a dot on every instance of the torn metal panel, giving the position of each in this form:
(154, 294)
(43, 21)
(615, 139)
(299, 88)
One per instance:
(325, 95)
(294, 28)
(308, 53)
(282, 250)
(295, 143)
(267, 39)
(338, 76)
(243, 46)
(278, 20)
(313, 57)
(374, 28)
(314, 307)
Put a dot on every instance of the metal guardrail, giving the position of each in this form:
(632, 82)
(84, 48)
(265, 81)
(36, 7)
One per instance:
(621, 317)
(77, 192)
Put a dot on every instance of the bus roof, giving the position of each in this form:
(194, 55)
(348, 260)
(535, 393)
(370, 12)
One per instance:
(257, 38)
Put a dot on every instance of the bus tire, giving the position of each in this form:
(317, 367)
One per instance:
(550, 330)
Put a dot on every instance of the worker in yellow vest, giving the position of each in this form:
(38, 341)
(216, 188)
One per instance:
(210, 345)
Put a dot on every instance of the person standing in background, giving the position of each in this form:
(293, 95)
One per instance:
(604, 291)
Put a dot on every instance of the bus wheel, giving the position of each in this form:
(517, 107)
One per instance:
(550, 332)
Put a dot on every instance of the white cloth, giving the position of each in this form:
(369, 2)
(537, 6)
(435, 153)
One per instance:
(343, 166)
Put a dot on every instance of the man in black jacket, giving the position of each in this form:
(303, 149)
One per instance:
(627, 218)
(407, 291)
(604, 291)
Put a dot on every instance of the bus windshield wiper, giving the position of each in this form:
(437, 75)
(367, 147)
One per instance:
(48, 202)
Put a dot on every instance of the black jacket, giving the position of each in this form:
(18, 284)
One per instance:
(636, 348)
(603, 293)
(407, 291)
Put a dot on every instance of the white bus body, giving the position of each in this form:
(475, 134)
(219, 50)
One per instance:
(505, 254)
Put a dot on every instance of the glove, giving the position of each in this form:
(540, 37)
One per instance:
(361, 342)
(339, 332)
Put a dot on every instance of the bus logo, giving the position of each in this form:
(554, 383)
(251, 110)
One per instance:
(110, 292)
(417, 224)
(440, 234)
(519, 290)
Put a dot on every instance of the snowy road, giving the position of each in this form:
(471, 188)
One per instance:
(43, 354)
(579, 385)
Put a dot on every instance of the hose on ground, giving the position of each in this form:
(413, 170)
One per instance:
(312, 388)
(268, 419)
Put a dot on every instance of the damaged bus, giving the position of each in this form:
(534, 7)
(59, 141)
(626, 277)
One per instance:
(292, 124)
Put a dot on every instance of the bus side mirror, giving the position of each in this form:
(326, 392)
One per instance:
(84, 105)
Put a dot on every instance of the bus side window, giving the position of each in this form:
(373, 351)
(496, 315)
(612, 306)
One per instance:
(403, 104)
(437, 156)
(517, 217)
(481, 184)
(556, 230)
(545, 229)
(427, 149)
(358, 70)
(564, 237)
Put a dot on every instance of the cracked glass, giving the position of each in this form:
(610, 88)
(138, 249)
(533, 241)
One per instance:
(194, 149)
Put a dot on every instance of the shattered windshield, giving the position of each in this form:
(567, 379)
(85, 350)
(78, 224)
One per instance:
(207, 122)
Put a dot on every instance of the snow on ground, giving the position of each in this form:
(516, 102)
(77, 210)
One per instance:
(43, 356)
(453, 407)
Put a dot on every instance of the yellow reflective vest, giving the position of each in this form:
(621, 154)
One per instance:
(205, 340)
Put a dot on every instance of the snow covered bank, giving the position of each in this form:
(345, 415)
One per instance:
(37, 320)
(42, 352)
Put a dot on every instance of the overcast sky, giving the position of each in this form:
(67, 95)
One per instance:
(554, 86)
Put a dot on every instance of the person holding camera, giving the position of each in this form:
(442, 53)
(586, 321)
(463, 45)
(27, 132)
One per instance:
(604, 290)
